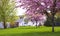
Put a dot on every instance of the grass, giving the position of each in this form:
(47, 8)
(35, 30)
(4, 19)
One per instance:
(30, 31)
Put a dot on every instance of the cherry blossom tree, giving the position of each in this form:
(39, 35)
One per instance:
(41, 6)
(36, 17)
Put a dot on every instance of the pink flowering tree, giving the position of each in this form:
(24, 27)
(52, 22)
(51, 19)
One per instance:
(36, 17)
(41, 6)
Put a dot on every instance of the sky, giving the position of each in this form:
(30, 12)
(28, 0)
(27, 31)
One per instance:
(20, 11)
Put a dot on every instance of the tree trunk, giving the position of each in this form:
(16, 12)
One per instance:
(17, 24)
(53, 22)
(53, 14)
(36, 24)
(4, 24)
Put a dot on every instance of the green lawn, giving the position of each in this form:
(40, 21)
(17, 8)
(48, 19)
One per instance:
(30, 31)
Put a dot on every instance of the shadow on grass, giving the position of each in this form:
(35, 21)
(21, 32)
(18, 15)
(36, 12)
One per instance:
(34, 34)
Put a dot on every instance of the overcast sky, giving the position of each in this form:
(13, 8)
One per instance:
(20, 11)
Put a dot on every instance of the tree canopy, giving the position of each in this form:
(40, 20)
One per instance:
(39, 5)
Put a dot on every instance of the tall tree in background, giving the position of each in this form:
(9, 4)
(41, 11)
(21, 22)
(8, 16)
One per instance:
(41, 6)
(6, 11)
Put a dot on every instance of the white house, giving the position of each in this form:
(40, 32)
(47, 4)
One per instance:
(30, 23)
(1, 25)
